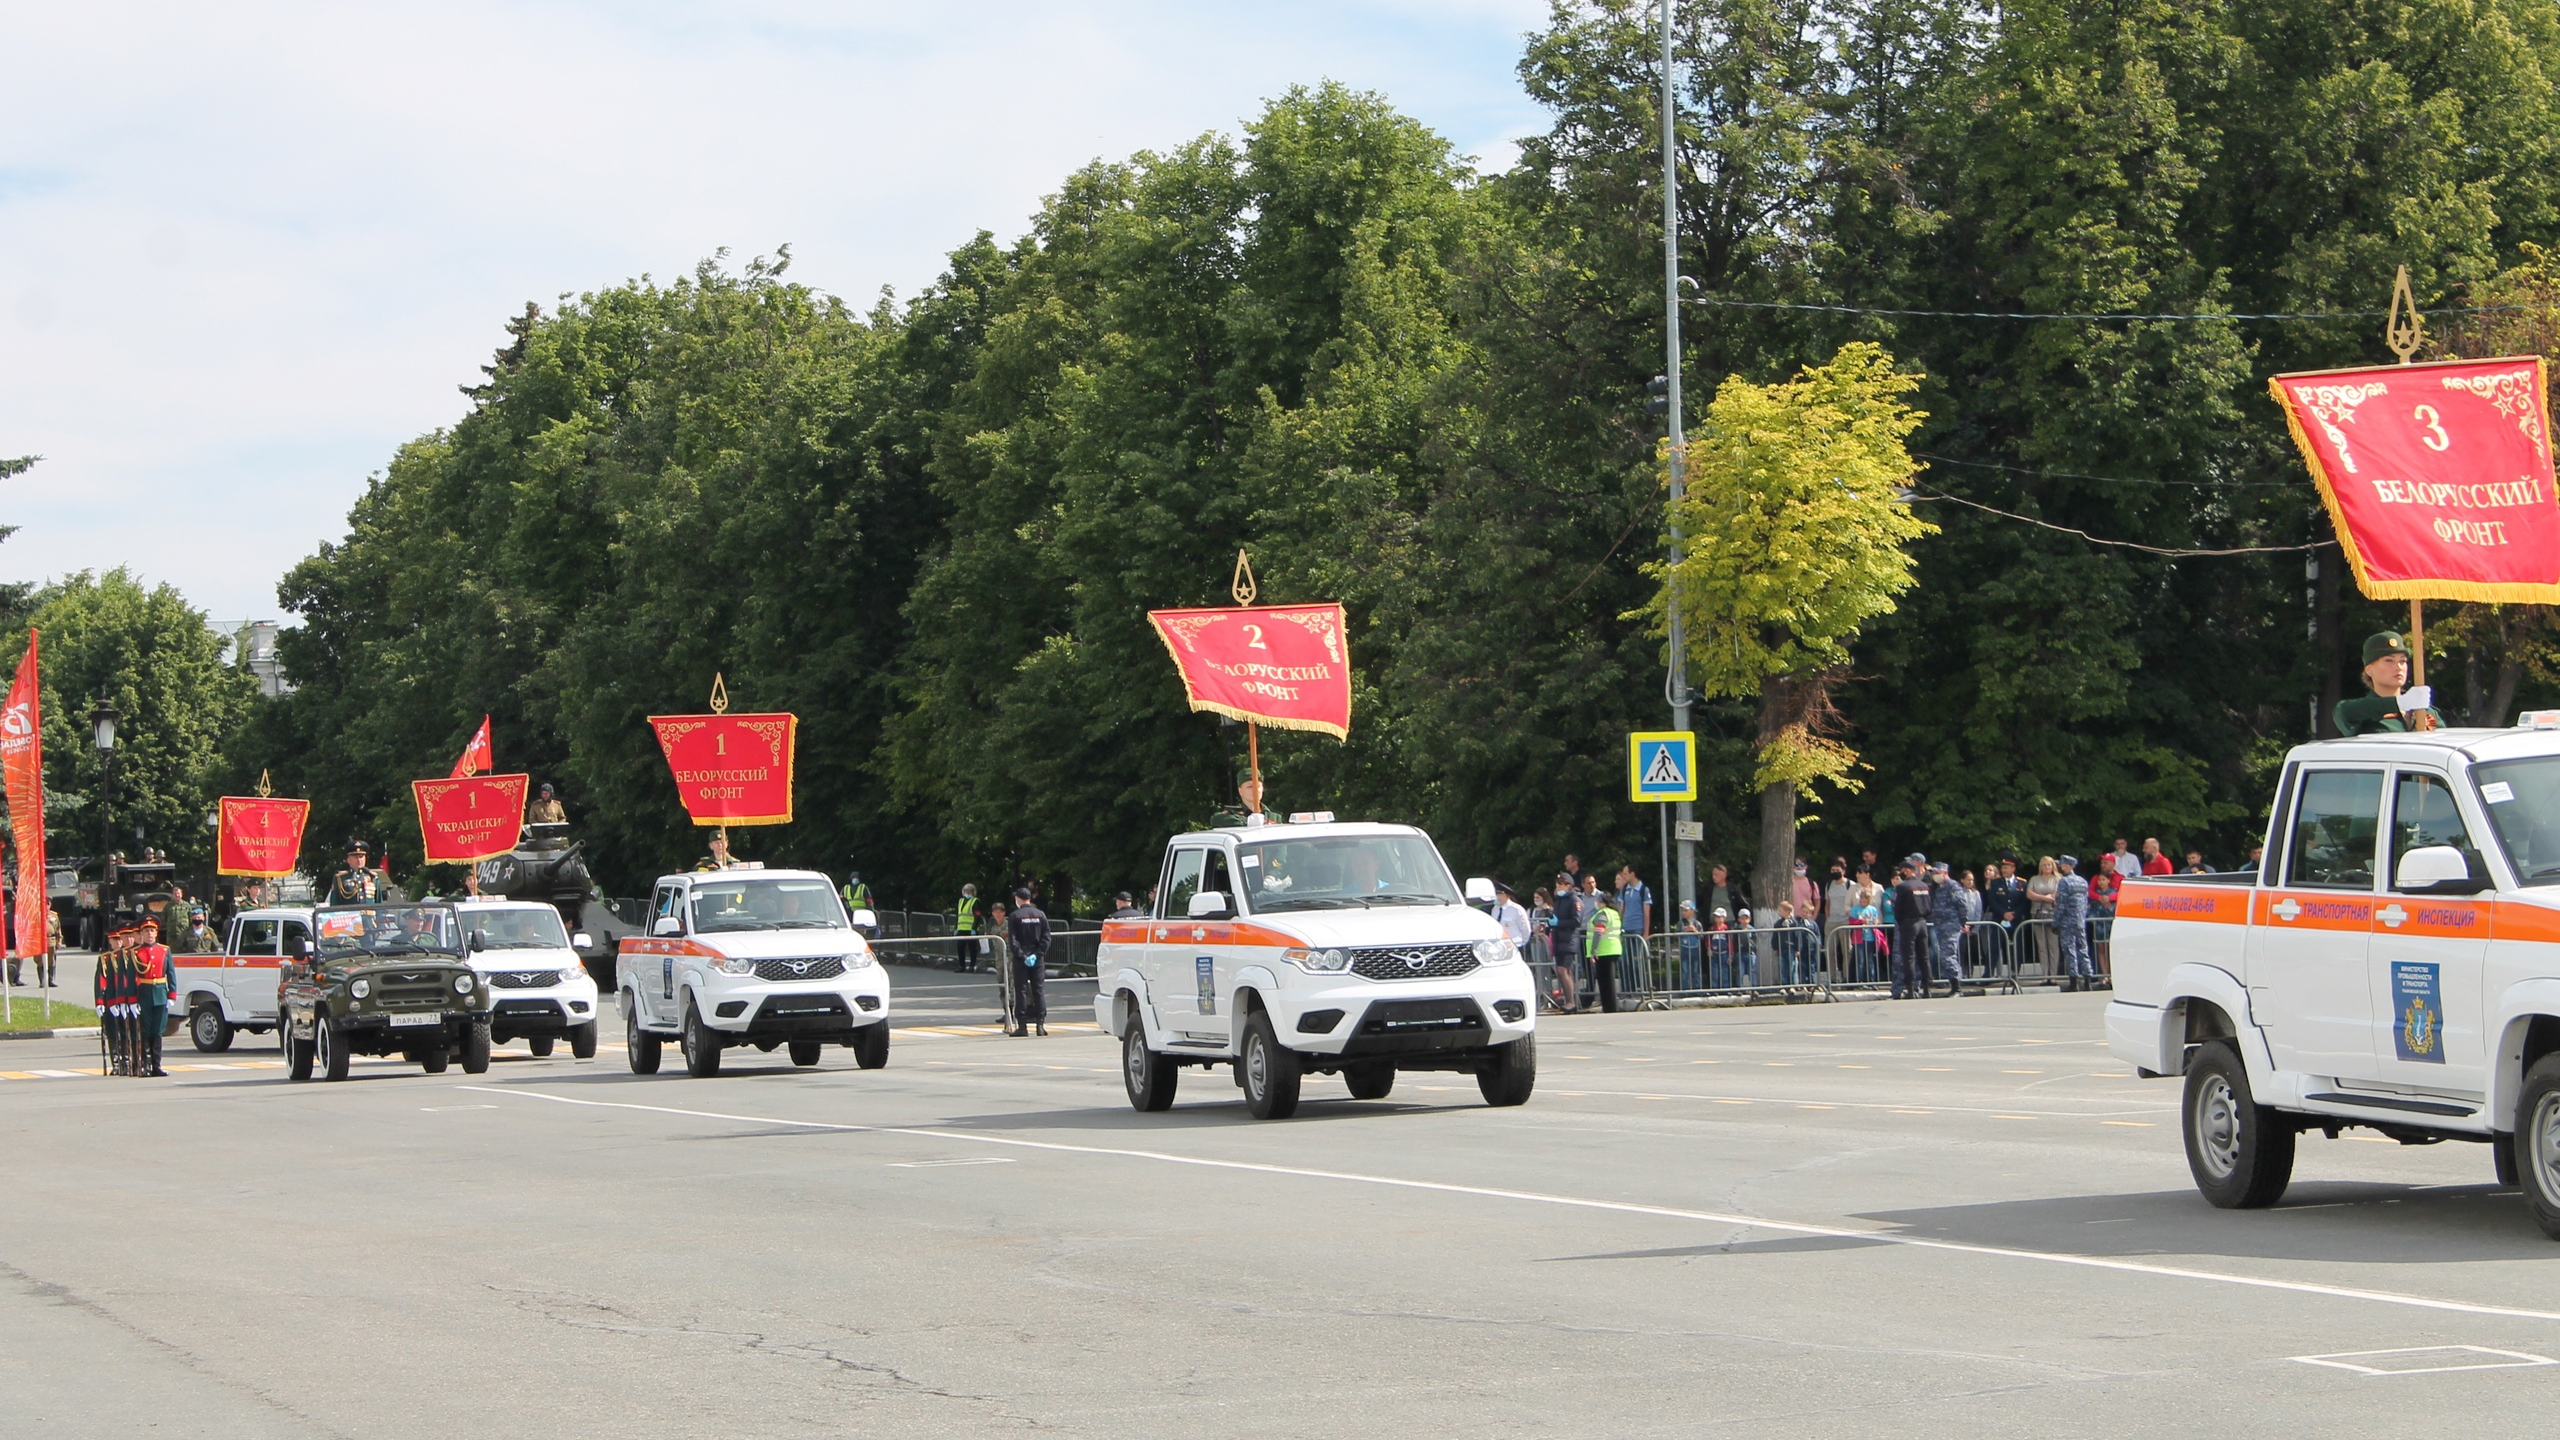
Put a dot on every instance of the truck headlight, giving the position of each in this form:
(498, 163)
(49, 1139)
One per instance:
(859, 959)
(463, 982)
(728, 965)
(1497, 951)
(1332, 961)
(360, 988)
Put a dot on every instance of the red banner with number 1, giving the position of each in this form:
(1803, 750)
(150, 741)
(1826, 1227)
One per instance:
(470, 819)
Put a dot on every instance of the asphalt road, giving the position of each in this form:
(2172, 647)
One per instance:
(1939, 1218)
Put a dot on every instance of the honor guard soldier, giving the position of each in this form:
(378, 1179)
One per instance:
(117, 999)
(151, 977)
(718, 859)
(358, 884)
(2394, 704)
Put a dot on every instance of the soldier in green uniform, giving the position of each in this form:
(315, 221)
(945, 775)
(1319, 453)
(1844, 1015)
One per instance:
(2394, 705)
(718, 859)
(358, 884)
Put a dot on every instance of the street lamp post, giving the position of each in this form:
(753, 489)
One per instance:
(102, 734)
(1676, 685)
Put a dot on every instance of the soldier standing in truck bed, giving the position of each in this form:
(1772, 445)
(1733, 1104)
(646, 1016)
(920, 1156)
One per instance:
(358, 884)
(2392, 704)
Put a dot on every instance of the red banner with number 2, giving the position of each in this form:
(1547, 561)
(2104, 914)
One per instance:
(470, 819)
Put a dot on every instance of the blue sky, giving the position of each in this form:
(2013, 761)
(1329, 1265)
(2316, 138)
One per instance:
(248, 249)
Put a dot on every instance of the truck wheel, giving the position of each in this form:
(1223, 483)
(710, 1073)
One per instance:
(2537, 1144)
(638, 1045)
(701, 1047)
(1370, 1082)
(582, 1041)
(1150, 1078)
(804, 1053)
(1271, 1071)
(209, 1030)
(333, 1049)
(475, 1048)
(871, 1045)
(297, 1053)
(540, 1045)
(1513, 1073)
(434, 1059)
(2240, 1152)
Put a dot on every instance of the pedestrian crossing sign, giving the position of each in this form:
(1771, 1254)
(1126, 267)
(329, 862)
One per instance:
(1662, 765)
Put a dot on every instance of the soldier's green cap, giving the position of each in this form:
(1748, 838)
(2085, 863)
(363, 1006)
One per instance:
(2382, 643)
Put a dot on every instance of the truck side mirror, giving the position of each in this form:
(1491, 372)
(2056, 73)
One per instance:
(298, 947)
(1210, 905)
(2437, 870)
(667, 925)
(478, 942)
(1479, 890)
(865, 920)
(582, 941)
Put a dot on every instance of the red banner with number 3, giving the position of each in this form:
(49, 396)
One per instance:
(470, 819)
(2438, 476)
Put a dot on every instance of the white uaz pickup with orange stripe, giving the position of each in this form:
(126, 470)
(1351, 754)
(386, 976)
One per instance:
(2394, 963)
(755, 957)
(1314, 947)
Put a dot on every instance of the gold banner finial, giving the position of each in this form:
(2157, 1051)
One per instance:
(265, 789)
(1244, 589)
(2406, 330)
(719, 694)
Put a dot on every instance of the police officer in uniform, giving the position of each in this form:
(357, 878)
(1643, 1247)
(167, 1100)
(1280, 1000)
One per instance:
(1911, 928)
(857, 896)
(2393, 705)
(1028, 928)
(358, 883)
(2071, 923)
(1605, 947)
(964, 923)
(1946, 928)
(718, 859)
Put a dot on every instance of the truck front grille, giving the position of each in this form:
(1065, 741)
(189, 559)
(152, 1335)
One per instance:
(523, 979)
(1413, 962)
(824, 968)
(415, 990)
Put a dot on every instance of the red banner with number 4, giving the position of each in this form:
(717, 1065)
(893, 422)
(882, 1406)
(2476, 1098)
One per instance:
(470, 819)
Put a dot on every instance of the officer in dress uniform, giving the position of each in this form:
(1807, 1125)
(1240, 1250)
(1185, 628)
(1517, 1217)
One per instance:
(116, 1001)
(151, 976)
(358, 884)
(718, 859)
(1946, 928)
(2394, 705)
(2071, 922)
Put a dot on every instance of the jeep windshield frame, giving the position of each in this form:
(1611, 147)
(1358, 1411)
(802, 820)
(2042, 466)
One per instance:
(736, 904)
(1343, 872)
(365, 932)
(2527, 820)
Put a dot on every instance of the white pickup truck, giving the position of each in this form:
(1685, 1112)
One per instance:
(1314, 947)
(750, 956)
(223, 994)
(2393, 964)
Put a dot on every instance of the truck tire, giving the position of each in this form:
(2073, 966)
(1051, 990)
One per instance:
(433, 1060)
(582, 1041)
(475, 1048)
(1270, 1071)
(540, 1045)
(701, 1047)
(210, 1032)
(638, 1045)
(1370, 1082)
(871, 1045)
(2240, 1152)
(804, 1053)
(297, 1053)
(1512, 1074)
(2537, 1143)
(332, 1049)
(1149, 1078)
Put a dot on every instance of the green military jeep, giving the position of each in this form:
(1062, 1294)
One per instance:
(387, 979)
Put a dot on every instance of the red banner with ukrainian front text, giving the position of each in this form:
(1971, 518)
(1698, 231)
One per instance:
(470, 819)
(2438, 476)
(731, 769)
(1283, 665)
(22, 769)
(257, 837)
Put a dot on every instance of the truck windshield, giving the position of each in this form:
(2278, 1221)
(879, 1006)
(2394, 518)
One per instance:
(360, 931)
(517, 929)
(2523, 801)
(1346, 872)
(721, 905)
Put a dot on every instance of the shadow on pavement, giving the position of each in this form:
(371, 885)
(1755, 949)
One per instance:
(2352, 1222)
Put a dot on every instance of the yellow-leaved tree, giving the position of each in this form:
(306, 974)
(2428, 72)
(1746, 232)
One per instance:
(1795, 538)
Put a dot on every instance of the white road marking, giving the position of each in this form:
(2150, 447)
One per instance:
(937, 1164)
(1901, 1108)
(1576, 1202)
(2505, 1360)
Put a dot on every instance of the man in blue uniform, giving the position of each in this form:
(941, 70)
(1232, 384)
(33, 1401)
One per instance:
(1946, 928)
(2071, 923)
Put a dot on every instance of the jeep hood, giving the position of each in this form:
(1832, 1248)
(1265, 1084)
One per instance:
(781, 944)
(1386, 925)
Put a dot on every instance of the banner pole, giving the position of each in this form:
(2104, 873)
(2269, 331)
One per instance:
(2417, 642)
(2404, 330)
(1253, 760)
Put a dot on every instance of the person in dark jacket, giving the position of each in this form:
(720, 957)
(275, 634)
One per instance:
(1911, 928)
(1565, 940)
(1028, 929)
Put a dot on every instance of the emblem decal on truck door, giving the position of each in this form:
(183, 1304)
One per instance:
(2417, 1003)
(1208, 968)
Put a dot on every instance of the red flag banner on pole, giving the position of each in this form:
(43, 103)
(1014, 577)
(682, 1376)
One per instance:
(2438, 476)
(731, 769)
(258, 837)
(476, 756)
(1283, 665)
(469, 819)
(22, 766)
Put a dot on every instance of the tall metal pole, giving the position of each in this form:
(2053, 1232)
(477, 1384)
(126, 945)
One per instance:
(1679, 679)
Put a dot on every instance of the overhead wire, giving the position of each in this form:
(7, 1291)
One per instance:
(1731, 304)
(2175, 554)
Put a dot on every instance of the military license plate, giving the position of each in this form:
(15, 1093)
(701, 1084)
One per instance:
(417, 1019)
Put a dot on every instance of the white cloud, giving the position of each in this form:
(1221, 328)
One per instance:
(246, 250)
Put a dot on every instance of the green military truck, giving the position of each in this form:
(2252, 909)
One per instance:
(386, 979)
